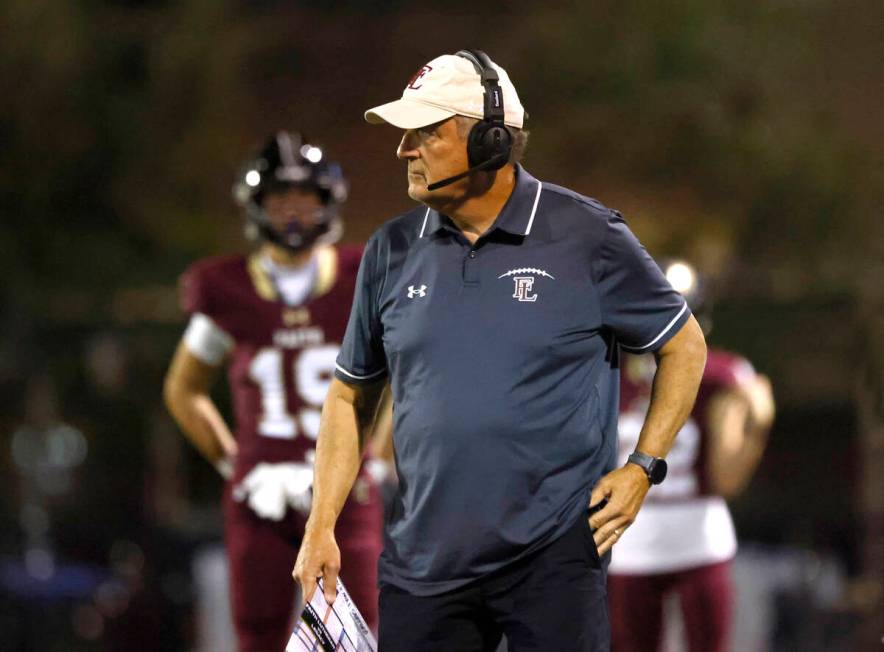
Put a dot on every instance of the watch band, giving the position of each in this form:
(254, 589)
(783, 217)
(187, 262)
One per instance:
(654, 467)
(642, 459)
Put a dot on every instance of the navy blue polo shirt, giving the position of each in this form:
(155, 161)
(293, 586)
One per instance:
(502, 357)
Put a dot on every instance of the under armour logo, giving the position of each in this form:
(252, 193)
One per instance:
(417, 292)
(524, 285)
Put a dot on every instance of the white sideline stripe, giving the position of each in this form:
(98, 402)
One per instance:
(662, 333)
(344, 371)
(426, 215)
(534, 208)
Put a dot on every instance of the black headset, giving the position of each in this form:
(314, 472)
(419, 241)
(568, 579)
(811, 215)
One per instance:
(490, 141)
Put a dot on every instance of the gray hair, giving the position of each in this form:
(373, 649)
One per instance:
(520, 136)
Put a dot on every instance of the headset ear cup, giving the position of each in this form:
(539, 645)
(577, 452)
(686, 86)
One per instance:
(488, 140)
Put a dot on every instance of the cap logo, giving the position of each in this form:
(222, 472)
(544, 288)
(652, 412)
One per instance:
(414, 82)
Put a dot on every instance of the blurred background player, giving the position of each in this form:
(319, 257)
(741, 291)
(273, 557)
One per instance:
(683, 541)
(275, 318)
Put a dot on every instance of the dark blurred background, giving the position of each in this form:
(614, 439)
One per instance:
(746, 136)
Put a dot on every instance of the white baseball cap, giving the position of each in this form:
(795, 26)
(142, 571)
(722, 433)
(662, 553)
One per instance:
(446, 86)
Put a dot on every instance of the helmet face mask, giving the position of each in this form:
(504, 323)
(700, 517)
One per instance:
(285, 163)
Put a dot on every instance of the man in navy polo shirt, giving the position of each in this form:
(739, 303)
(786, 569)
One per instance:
(496, 309)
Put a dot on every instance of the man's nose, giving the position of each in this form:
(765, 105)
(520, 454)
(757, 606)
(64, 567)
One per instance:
(407, 146)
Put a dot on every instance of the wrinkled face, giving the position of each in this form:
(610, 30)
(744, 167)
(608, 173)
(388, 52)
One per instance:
(299, 205)
(433, 153)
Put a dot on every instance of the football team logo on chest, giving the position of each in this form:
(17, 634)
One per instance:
(524, 278)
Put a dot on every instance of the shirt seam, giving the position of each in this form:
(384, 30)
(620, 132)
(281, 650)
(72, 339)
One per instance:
(595, 255)
(381, 286)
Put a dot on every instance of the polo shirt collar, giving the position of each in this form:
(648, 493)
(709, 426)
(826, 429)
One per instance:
(516, 217)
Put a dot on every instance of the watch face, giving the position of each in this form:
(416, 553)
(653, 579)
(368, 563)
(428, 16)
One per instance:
(657, 471)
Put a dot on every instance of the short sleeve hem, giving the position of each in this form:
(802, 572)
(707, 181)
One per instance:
(351, 378)
(667, 333)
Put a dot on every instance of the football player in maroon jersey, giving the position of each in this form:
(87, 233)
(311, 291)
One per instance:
(683, 540)
(275, 319)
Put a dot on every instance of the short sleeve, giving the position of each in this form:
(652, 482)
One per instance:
(637, 302)
(193, 292)
(362, 359)
(207, 341)
(727, 370)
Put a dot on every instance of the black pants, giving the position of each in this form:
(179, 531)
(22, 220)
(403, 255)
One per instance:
(555, 599)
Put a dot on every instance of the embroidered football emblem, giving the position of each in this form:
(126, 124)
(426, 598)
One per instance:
(524, 277)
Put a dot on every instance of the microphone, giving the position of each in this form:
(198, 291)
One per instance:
(494, 163)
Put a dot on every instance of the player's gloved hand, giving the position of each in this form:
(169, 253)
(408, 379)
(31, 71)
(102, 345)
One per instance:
(298, 482)
(380, 471)
(270, 488)
(263, 491)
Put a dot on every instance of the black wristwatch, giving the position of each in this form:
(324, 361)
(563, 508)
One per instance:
(655, 467)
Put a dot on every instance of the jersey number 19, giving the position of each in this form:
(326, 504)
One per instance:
(312, 371)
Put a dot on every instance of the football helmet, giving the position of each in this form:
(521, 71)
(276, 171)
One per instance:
(288, 161)
(684, 278)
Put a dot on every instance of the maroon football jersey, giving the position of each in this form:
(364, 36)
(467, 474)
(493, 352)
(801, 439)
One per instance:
(283, 358)
(687, 460)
